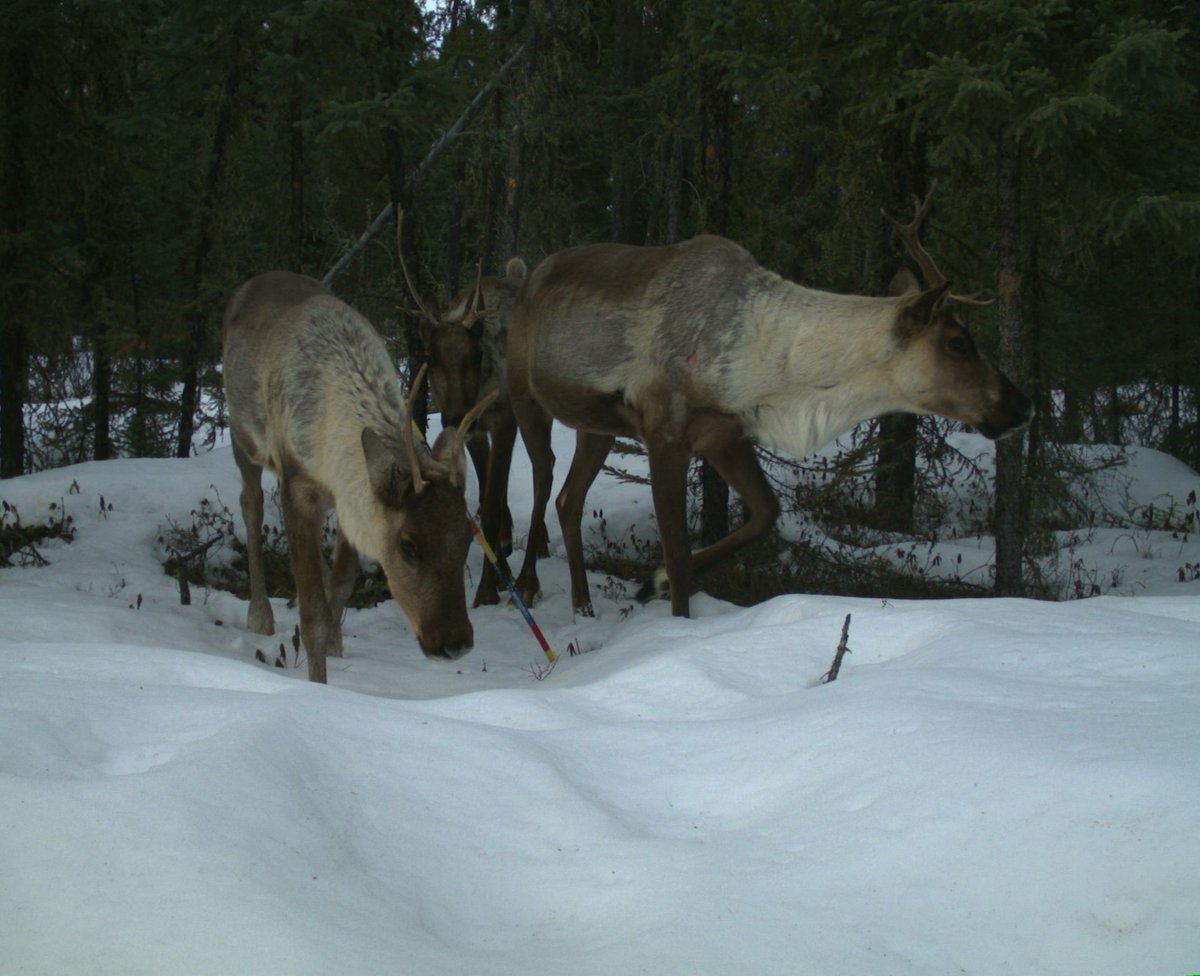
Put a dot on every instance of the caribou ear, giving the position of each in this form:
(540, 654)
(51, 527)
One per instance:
(920, 311)
(387, 480)
(515, 273)
(904, 282)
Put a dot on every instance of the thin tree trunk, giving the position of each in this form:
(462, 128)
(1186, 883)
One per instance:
(297, 228)
(896, 472)
(716, 141)
(102, 370)
(675, 191)
(514, 179)
(896, 461)
(385, 215)
(626, 72)
(1010, 452)
(139, 426)
(201, 314)
(15, 296)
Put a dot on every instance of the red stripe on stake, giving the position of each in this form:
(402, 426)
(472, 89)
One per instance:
(504, 575)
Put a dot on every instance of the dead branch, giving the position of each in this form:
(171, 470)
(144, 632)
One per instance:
(842, 650)
(427, 163)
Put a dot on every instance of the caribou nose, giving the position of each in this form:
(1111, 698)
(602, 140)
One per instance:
(447, 648)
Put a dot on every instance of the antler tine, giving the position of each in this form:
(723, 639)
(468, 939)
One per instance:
(460, 435)
(410, 429)
(910, 234)
(404, 268)
(473, 309)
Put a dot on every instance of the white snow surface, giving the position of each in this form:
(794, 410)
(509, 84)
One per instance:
(990, 786)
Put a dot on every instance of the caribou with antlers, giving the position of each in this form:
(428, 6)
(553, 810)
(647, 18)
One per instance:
(465, 348)
(313, 397)
(694, 349)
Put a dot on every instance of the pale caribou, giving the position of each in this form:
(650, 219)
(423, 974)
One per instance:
(694, 349)
(314, 398)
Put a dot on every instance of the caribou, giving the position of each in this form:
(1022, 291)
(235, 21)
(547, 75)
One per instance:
(695, 349)
(313, 397)
(465, 346)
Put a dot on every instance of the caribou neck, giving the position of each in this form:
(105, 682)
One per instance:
(807, 386)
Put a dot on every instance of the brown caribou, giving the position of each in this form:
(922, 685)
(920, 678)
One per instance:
(465, 349)
(313, 397)
(694, 349)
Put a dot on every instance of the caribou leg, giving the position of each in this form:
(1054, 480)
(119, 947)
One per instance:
(737, 463)
(535, 425)
(669, 460)
(302, 520)
(494, 514)
(342, 576)
(259, 618)
(590, 453)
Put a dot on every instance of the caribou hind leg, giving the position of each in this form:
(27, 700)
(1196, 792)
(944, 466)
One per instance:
(590, 453)
(737, 463)
(259, 619)
(494, 514)
(734, 457)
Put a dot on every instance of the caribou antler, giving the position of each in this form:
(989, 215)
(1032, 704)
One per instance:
(910, 234)
(410, 428)
(460, 436)
(404, 268)
(467, 311)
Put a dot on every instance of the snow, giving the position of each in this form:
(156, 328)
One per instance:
(991, 786)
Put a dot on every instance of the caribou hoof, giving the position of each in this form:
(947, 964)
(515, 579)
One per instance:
(657, 587)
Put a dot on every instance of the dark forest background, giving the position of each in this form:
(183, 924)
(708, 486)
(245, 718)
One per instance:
(154, 153)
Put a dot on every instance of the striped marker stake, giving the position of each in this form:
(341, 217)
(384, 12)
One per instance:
(506, 578)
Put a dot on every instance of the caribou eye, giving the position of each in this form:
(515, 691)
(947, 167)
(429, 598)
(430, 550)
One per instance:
(958, 346)
(408, 551)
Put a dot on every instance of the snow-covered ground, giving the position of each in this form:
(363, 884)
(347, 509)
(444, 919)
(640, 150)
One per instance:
(991, 786)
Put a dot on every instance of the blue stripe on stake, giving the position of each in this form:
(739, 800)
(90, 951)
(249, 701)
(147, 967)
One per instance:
(506, 577)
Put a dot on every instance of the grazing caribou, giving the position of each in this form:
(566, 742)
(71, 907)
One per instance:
(465, 349)
(694, 349)
(313, 397)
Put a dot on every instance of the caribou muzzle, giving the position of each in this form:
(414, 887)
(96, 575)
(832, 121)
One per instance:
(1011, 415)
(447, 647)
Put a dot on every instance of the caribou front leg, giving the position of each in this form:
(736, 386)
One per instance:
(302, 519)
(590, 452)
(535, 425)
(259, 618)
(342, 578)
(668, 484)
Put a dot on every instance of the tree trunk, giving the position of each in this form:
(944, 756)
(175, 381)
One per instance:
(896, 472)
(1010, 453)
(14, 289)
(624, 163)
(514, 179)
(716, 142)
(297, 227)
(675, 190)
(201, 313)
